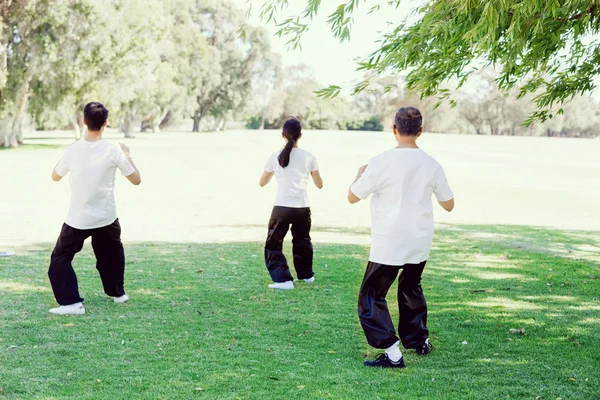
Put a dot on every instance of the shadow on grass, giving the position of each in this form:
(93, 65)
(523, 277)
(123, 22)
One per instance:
(583, 245)
(36, 146)
(201, 318)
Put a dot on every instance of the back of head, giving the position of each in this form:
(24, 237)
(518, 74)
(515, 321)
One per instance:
(292, 129)
(408, 121)
(95, 115)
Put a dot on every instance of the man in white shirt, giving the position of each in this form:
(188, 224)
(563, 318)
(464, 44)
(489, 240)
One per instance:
(402, 181)
(92, 163)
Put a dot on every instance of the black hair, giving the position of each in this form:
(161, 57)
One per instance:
(292, 130)
(408, 121)
(95, 115)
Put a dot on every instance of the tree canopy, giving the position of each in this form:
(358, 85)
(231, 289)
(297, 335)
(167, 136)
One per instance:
(544, 48)
(149, 61)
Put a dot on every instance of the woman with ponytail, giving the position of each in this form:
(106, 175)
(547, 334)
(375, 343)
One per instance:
(291, 167)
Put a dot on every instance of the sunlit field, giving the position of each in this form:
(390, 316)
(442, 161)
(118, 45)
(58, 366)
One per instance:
(204, 187)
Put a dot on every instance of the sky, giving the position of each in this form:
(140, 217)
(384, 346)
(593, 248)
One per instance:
(333, 62)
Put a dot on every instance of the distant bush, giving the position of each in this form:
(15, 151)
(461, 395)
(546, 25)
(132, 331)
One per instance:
(371, 124)
(254, 123)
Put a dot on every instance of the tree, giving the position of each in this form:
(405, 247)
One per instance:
(20, 54)
(267, 97)
(224, 82)
(137, 84)
(73, 58)
(298, 86)
(542, 48)
(382, 98)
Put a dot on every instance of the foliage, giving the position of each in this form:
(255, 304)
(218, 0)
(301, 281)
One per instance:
(482, 109)
(254, 122)
(546, 50)
(201, 323)
(147, 60)
(372, 124)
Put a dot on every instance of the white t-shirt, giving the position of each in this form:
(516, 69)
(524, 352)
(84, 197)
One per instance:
(292, 180)
(402, 182)
(92, 166)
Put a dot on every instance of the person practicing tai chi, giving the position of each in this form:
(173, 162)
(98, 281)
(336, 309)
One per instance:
(292, 167)
(93, 163)
(401, 181)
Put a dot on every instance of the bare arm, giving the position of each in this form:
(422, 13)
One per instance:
(135, 178)
(265, 178)
(352, 198)
(317, 179)
(447, 205)
(56, 177)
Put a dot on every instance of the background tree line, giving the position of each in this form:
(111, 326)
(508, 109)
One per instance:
(544, 52)
(481, 108)
(154, 63)
(149, 61)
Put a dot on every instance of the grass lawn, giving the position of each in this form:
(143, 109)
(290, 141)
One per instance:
(202, 324)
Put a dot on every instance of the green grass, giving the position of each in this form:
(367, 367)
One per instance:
(37, 146)
(201, 317)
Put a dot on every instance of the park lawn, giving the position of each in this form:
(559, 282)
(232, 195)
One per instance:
(201, 323)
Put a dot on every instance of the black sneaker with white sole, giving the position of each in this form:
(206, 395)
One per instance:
(425, 349)
(383, 361)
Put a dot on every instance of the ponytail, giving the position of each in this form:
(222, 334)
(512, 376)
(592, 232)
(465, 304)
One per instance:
(292, 130)
(284, 156)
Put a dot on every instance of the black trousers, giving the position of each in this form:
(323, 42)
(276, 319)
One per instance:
(110, 261)
(373, 310)
(279, 224)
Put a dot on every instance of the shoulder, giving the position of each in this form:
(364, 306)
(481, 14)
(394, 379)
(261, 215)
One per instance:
(307, 154)
(113, 152)
(107, 146)
(73, 147)
(431, 160)
(273, 157)
(382, 157)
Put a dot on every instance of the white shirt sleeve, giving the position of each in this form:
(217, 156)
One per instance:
(366, 184)
(123, 163)
(441, 189)
(62, 168)
(314, 165)
(270, 165)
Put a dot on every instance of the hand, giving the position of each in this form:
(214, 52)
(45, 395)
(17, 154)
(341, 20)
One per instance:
(125, 150)
(361, 170)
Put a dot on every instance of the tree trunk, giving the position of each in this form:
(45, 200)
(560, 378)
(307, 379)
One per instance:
(127, 125)
(76, 127)
(165, 120)
(4, 133)
(14, 135)
(145, 125)
(7, 137)
(197, 118)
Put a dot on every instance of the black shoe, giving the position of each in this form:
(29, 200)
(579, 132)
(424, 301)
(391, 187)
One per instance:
(425, 349)
(383, 361)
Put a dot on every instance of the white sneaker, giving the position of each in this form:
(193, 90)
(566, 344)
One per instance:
(121, 299)
(287, 285)
(309, 280)
(71, 309)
